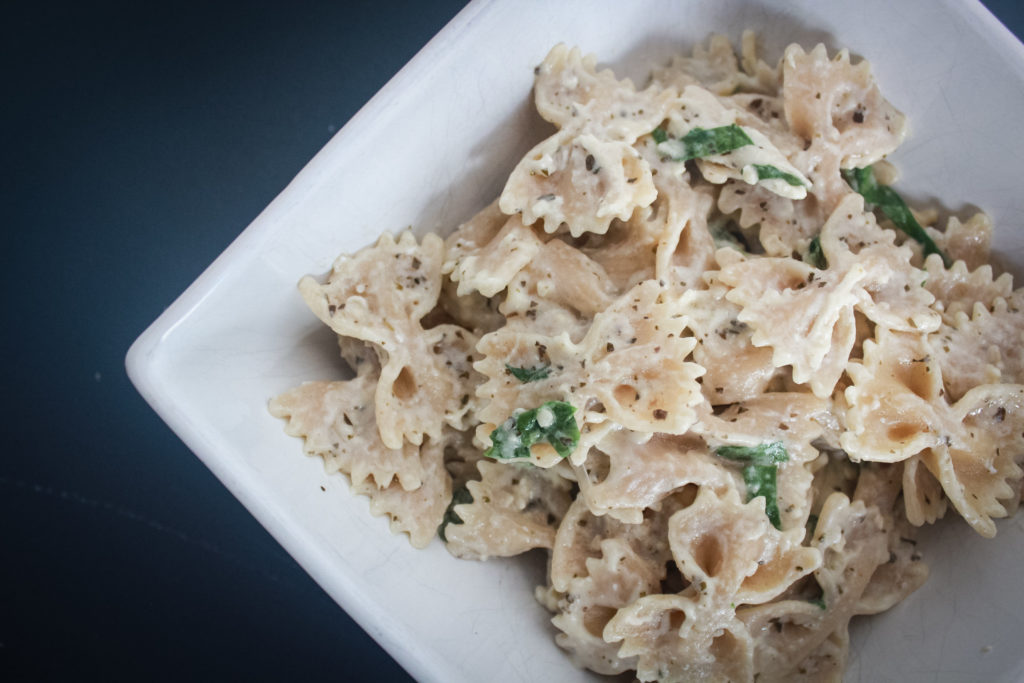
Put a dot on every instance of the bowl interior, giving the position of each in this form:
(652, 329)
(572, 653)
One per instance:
(429, 151)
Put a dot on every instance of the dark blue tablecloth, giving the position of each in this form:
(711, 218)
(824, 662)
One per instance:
(139, 140)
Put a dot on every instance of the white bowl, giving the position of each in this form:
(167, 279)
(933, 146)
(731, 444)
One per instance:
(432, 148)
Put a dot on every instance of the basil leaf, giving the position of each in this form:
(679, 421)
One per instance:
(459, 497)
(759, 473)
(767, 171)
(820, 602)
(761, 481)
(533, 374)
(659, 135)
(702, 142)
(770, 453)
(551, 423)
(815, 256)
(863, 182)
(506, 443)
(724, 238)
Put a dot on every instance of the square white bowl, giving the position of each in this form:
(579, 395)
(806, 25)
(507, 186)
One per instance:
(432, 148)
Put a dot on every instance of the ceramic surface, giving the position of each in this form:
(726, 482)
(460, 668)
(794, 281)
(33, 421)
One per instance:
(432, 148)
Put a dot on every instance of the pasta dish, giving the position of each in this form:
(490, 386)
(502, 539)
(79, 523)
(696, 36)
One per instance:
(701, 352)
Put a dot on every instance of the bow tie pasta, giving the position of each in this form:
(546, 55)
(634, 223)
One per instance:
(698, 350)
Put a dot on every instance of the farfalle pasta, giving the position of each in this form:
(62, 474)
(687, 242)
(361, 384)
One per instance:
(698, 351)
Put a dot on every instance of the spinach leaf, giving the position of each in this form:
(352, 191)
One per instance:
(533, 374)
(761, 481)
(459, 497)
(723, 237)
(551, 423)
(812, 524)
(863, 182)
(815, 256)
(701, 142)
(767, 171)
(759, 473)
(771, 453)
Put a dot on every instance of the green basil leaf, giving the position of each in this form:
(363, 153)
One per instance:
(770, 453)
(863, 182)
(815, 256)
(767, 171)
(506, 443)
(459, 497)
(533, 374)
(659, 135)
(724, 238)
(761, 481)
(759, 473)
(702, 142)
(820, 602)
(551, 423)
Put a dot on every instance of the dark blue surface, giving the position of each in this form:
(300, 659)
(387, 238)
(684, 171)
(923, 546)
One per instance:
(139, 141)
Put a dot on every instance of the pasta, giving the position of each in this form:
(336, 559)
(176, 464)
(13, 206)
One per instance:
(701, 353)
